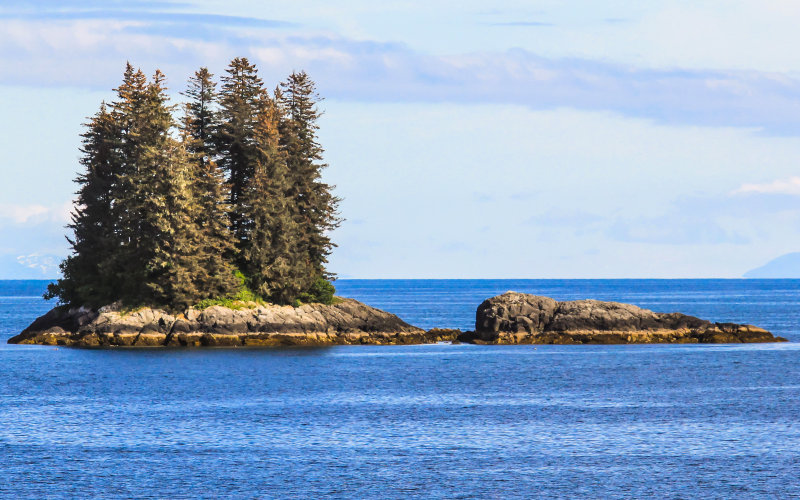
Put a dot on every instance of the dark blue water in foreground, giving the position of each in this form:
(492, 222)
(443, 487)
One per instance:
(455, 421)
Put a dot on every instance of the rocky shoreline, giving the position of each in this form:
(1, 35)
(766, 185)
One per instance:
(346, 322)
(511, 318)
(518, 318)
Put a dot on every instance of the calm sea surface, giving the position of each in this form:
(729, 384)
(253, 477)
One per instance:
(434, 421)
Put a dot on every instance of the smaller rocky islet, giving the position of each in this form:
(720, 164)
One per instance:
(518, 318)
(510, 318)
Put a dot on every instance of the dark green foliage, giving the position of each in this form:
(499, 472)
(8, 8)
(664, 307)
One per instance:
(269, 255)
(140, 200)
(243, 297)
(241, 101)
(321, 291)
(208, 191)
(157, 221)
(83, 280)
(174, 266)
(311, 200)
(201, 115)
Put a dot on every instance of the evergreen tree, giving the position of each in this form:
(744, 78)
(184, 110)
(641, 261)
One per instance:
(313, 204)
(269, 254)
(175, 254)
(209, 193)
(177, 273)
(83, 280)
(242, 100)
(157, 258)
(200, 110)
(145, 122)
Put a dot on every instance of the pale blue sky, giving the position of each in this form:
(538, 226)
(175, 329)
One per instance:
(528, 139)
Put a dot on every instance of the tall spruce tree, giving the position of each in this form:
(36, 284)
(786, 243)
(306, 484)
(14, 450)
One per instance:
(270, 253)
(210, 196)
(139, 131)
(156, 259)
(312, 201)
(97, 273)
(175, 268)
(200, 110)
(241, 103)
(84, 280)
(172, 256)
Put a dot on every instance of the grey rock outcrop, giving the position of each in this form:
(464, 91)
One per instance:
(511, 318)
(346, 322)
(518, 318)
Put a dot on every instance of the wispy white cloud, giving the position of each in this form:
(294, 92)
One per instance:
(789, 186)
(32, 238)
(171, 18)
(21, 214)
(81, 49)
(35, 213)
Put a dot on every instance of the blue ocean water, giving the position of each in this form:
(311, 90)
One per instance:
(433, 421)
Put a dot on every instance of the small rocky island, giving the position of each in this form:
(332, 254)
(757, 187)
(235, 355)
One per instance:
(232, 212)
(518, 318)
(191, 223)
(510, 318)
(345, 322)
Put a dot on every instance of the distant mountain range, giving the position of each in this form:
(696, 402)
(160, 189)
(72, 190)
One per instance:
(29, 267)
(785, 266)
